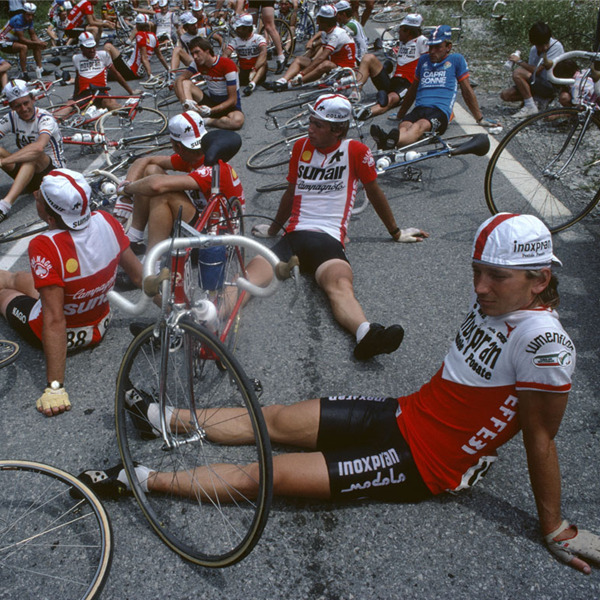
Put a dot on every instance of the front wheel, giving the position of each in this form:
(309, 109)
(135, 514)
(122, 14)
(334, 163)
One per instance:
(548, 166)
(213, 498)
(55, 536)
(273, 155)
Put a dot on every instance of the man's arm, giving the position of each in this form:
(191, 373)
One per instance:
(284, 211)
(29, 153)
(160, 184)
(160, 57)
(138, 168)
(54, 332)
(470, 99)
(320, 57)
(132, 266)
(119, 79)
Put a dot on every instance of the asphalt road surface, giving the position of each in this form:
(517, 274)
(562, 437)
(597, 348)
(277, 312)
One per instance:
(482, 544)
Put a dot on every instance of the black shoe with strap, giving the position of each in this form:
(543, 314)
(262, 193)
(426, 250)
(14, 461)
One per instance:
(379, 340)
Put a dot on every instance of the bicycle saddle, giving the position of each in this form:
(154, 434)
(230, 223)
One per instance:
(103, 89)
(220, 145)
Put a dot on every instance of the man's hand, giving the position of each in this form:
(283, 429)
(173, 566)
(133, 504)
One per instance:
(568, 543)
(204, 110)
(53, 402)
(412, 234)
(262, 231)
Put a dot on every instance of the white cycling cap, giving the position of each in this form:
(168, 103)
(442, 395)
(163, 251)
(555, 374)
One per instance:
(412, 20)
(332, 107)
(68, 194)
(187, 18)
(87, 40)
(514, 242)
(342, 5)
(29, 7)
(187, 128)
(141, 19)
(327, 11)
(244, 21)
(15, 89)
(163, 3)
(196, 5)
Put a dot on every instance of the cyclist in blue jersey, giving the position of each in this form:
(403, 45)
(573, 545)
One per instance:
(438, 76)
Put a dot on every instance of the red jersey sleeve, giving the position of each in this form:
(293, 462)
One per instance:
(44, 262)
(179, 164)
(363, 161)
(230, 182)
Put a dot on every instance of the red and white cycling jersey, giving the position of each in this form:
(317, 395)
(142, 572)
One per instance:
(229, 181)
(455, 423)
(84, 263)
(27, 132)
(326, 184)
(143, 39)
(92, 71)
(78, 13)
(247, 50)
(341, 45)
(408, 57)
(219, 77)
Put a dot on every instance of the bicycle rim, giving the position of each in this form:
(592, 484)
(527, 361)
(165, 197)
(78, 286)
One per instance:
(210, 530)
(9, 351)
(23, 231)
(537, 169)
(273, 155)
(51, 544)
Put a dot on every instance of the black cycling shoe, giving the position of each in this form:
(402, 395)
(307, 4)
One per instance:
(248, 90)
(363, 113)
(279, 86)
(268, 85)
(378, 44)
(280, 67)
(379, 340)
(123, 283)
(138, 402)
(139, 248)
(382, 98)
(3, 216)
(105, 483)
(380, 137)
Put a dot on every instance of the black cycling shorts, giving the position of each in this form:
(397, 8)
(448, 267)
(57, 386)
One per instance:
(542, 89)
(261, 3)
(398, 84)
(17, 316)
(124, 70)
(312, 248)
(36, 180)
(437, 117)
(73, 34)
(366, 455)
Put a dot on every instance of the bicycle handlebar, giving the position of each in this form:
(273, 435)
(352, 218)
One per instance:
(281, 270)
(592, 56)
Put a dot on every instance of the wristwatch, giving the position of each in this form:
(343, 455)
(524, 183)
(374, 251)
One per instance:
(55, 385)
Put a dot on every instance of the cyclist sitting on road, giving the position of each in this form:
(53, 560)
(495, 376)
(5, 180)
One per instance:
(509, 368)
(157, 197)
(412, 45)
(38, 139)
(82, 18)
(331, 47)
(14, 41)
(438, 75)
(61, 303)
(58, 22)
(353, 27)
(531, 77)
(220, 102)
(165, 22)
(189, 30)
(146, 45)
(92, 68)
(323, 176)
(251, 50)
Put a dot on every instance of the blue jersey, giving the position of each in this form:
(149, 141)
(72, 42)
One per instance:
(438, 82)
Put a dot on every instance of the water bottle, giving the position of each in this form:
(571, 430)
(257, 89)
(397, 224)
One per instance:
(205, 311)
(211, 267)
(88, 137)
(383, 163)
(109, 188)
(509, 63)
(412, 155)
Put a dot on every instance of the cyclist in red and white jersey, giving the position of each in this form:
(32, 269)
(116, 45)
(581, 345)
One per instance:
(38, 140)
(251, 51)
(219, 103)
(61, 304)
(324, 173)
(331, 47)
(165, 22)
(82, 18)
(157, 196)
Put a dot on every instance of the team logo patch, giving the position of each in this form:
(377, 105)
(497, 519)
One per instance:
(71, 265)
(447, 64)
(40, 267)
(556, 359)
(306, 155)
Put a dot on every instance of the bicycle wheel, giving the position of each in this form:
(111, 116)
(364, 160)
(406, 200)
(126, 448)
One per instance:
(216, 523)
(549, 166)
(288, 41)
(389, 14)
(64, 113)
(272, 187)
(55, 536)
(295, 102)
(305, 27)
(119, 128)
(273, 155)
(9, 351)
(23, 231)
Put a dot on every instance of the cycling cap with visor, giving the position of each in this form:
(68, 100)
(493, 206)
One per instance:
(68, 194)
(15, 89)
(412, 20)
(244, 20)
(187, 18)
(187, 128)
(442, 33)
(514, 242)
(29, 8)
(332, 107)
(87, 40)
(141, 19)
(327, 11)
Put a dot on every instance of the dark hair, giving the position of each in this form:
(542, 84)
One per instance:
(549, 296)
(202, 43)
(414, 31)
(340, 127)
(52, 213)
(539, 33)
(327, 21)
(565, 69)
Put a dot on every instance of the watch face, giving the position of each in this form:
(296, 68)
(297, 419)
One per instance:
(55, 385)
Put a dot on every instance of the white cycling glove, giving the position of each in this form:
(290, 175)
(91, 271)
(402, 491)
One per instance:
(53, 399)
(262, 231)
(204, 110)
(411, 234)
(583, 544)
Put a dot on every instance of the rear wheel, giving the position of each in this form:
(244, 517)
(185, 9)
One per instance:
(273, 155)
(215, 498)
(549, 166)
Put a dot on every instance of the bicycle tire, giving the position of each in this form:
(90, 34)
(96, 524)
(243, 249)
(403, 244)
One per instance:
(294, 102)
(22, 231)
(521, 176)
(288, 41)
(218, 47)
(272, 187)
(55, 536)
(208, 532)
(305, 27)
(117, 127)
(273, 155)
(63, 113)
(389, 16)
(9, 351)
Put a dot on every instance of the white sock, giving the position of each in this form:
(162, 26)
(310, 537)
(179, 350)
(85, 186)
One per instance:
(362, 330)
(142, 473)
(38, 72)
(282, 80)
(281, 58)
(135, 235)
(530, 102)
(154, 415)
(252, 85)
(5, 206)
